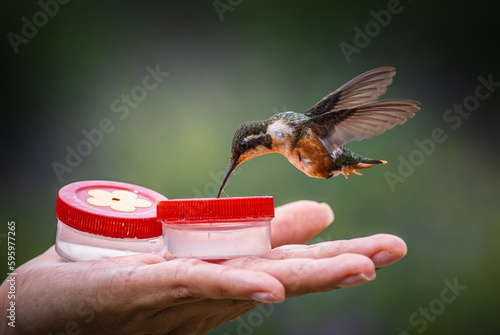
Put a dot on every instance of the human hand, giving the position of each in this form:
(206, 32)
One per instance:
(144, 293)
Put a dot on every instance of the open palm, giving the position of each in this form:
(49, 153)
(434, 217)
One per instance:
(145, 294)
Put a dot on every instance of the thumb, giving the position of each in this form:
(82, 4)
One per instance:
(299, 221)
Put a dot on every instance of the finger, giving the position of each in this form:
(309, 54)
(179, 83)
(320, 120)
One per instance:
(382, 249)
(196, 318)
(299, 221)
(303, 275)
(177, 281)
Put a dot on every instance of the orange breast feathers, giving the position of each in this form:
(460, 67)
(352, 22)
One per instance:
(310, 156)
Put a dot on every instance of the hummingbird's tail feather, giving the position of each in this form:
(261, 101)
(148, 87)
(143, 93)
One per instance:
(345, 156)
(352, 161)
(372, 162)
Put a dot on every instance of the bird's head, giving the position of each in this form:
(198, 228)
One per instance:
(250, 140)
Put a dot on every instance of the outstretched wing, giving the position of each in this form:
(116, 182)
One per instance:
(364, 88)
(339, 127)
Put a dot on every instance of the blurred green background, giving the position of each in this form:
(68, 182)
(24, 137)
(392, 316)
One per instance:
(235, 61)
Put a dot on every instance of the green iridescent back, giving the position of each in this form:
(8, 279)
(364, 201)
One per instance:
(288, 116)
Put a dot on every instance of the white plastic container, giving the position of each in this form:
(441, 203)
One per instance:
(216, 228)
(103, 219)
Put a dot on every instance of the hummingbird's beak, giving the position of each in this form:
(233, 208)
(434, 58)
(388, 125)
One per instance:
(232, 165)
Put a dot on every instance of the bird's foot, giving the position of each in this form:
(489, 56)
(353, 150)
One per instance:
(351, 169)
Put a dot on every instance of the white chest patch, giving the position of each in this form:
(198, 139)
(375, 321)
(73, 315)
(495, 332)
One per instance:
(279, 129)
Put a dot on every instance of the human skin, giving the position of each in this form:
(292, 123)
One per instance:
(145, 294)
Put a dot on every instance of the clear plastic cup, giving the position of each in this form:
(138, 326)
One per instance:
(103, 219)
(216, 228)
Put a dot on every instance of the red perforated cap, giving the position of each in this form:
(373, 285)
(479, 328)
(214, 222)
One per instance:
(216, 209)
(110, 209)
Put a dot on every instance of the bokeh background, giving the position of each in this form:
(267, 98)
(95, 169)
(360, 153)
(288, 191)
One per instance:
(231, 62)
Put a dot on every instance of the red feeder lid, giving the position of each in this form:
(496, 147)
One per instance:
(110, 209)
(216, 209)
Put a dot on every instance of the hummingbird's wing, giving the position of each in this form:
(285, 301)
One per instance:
(336, 128)
(364, 88)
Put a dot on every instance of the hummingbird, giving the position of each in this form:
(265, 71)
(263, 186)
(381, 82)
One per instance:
(314, 141)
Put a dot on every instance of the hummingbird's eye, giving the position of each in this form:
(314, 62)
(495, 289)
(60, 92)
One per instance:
(243, 145)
